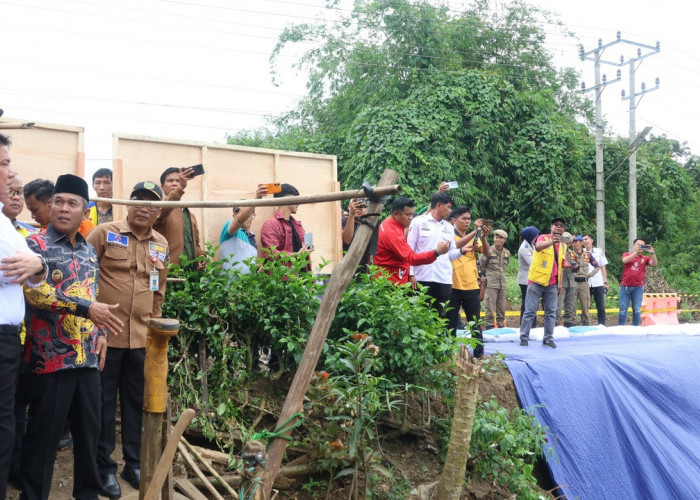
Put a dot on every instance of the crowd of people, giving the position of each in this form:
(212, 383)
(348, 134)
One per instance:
(78, 288)
(461, 269)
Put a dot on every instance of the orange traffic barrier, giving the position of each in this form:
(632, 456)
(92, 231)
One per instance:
(660, 309)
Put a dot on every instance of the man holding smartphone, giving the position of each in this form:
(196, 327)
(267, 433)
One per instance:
(282, 233)
(179, 225)
(632, 283)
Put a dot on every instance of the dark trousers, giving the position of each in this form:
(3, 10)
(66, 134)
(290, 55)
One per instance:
(440, 292)
(10, 356)
(598, 294)
(21, 403)
(74, 394)
(523, 294)
(469, 301)
(123, 375)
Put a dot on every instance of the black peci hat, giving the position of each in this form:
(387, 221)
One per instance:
(72, 184)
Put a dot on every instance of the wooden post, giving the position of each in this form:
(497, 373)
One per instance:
(340, 279)
(155, 396)
(466, 395)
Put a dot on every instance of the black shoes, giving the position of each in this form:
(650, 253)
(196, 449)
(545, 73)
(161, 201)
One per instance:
(132, 476)
(523, 343)
(549, 343)
(65, 441)
(109, 486)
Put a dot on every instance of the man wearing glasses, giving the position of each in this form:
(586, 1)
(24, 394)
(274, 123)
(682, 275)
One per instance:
(237, 243)
(133, 262)
(544, 282)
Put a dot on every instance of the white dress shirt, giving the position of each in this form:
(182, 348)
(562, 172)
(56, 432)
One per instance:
(424, 234)
(11, 295)
(598, 279)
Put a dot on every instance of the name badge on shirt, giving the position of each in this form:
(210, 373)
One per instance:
(157, 250)
(153, 281)
(119, 240)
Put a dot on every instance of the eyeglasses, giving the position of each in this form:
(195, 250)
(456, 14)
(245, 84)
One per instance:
(150, 209)
(14, 193)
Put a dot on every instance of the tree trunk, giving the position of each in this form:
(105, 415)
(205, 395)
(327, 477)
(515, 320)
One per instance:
(452, 478)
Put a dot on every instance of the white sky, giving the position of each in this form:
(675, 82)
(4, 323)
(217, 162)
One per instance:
(197, 69)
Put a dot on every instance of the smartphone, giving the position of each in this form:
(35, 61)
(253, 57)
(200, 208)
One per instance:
(308, 240)
(274, 187)
(489, 222)
(362, 202)
(645, 247)
(198, 169)
(453, 184)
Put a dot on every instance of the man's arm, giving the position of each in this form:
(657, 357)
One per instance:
(271, 236)
(23, 267)
(245, 212)
(630, 256)
(654, 261)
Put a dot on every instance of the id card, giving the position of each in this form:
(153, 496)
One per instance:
(154, 281)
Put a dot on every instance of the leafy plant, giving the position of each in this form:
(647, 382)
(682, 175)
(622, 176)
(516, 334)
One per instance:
(505, 446)
(348, 399)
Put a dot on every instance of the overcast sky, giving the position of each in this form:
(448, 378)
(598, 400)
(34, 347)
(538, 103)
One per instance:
(197, 69)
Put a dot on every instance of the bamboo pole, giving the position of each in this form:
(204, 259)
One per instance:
(155, 396)
(209, 468)
(340, 279)
(152, 491)
(263, 202)
(193, 465)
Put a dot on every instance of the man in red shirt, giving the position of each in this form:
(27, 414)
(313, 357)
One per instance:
(393, 252)
(632, 284)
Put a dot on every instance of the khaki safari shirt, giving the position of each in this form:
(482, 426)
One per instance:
(171, 225)
(125, 271)
(495, 268)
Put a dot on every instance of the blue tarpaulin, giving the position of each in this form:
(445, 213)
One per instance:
(623, 412)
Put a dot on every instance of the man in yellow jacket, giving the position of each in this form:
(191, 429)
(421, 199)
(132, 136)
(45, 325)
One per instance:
(544, 282)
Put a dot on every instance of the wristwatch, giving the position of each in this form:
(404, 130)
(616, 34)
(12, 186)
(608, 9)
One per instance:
(44, 266)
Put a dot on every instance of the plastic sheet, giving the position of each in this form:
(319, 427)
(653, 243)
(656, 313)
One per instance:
(623, 410)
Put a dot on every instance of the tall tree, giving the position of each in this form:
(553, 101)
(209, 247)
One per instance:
(441, 95)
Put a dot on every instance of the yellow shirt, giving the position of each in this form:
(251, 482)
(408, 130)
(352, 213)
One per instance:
(465, 271)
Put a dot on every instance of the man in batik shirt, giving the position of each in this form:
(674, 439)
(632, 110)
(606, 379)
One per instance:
(64, 349)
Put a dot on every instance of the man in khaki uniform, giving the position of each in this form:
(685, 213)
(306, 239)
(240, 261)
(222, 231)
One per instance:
(178, 225)
(584, 266)
(494, 267)
(133, 270)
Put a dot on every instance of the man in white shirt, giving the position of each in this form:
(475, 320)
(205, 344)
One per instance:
(17, 264)
(598, 283)
(424, 233)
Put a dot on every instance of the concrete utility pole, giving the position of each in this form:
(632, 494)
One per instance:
(596, 56)
(633, 133)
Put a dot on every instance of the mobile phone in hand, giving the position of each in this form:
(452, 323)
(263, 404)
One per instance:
(309, 240)
(274, 187)
(645, 247)
(453, 184)
(197, 169)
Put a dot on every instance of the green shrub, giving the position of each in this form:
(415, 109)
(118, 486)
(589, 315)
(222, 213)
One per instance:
(504, 448)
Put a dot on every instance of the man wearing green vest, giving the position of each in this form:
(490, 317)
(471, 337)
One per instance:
(544, 282)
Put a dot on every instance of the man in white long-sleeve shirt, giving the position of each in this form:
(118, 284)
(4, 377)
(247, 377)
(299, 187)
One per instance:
(17, 264)
(424, 233)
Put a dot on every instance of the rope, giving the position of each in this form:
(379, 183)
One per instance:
(279, 432)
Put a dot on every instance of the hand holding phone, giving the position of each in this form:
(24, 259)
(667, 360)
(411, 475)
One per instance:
(309, 241)
(193, 171)
(274, 187)
(452, 185)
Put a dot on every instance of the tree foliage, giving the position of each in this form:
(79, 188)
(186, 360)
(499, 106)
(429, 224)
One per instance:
(474, 96)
